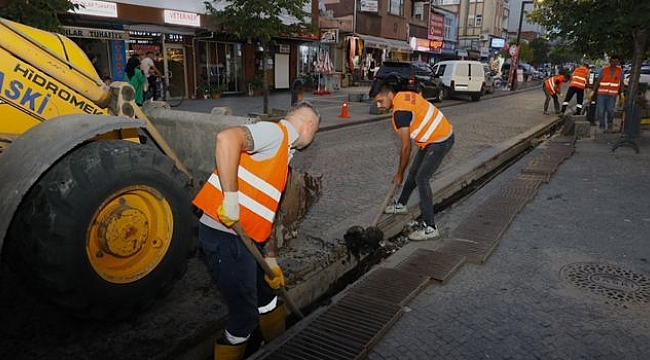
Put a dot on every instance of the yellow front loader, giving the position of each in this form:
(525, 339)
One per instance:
(95, 207)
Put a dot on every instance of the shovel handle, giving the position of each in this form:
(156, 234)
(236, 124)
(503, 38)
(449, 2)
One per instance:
(266, 268)
(389, 196)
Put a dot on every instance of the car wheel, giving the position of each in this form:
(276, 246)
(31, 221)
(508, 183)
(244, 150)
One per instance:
(446, 93)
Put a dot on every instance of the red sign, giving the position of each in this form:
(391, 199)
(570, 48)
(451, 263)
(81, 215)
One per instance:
(435, 44)
(436, 26)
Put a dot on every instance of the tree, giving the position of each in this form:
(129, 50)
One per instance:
(540, 50)
(525, 52)
(259, 21)
(600, 26)
(41, 14)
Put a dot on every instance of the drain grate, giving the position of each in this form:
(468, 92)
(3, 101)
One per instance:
(520, 188)
(352, 325)
(394, 286)
(475, 252)
(618, 284)
(435, 264)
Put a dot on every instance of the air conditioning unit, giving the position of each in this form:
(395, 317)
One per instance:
(484, 37)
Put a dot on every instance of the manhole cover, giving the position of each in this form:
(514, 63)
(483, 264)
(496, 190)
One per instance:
(618, 284)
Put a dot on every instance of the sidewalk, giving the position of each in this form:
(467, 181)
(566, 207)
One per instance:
(329, 105)
(570, 278)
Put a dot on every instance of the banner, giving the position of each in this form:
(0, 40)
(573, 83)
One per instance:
(369, 6)
(436, 26)
(118, 59)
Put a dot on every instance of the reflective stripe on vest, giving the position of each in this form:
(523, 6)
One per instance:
(579, 78)
(428, 125)
(609, 85)
(260, 185)
(550, 83)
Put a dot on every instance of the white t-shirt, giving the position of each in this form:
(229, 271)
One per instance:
(145, 65)
(267, 138)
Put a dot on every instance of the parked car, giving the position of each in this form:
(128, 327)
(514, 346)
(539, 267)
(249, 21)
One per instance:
(644, 76)
(462, 77)
(418, 75)
(529, 71)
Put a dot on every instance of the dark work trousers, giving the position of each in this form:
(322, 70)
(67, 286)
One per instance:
(580, 95)
(425, 163)
(240, 279)
(556, 102)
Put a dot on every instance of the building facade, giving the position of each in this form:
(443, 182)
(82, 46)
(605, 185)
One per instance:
(482, 25)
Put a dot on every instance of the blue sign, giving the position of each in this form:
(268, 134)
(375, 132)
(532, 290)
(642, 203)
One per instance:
(118, 59)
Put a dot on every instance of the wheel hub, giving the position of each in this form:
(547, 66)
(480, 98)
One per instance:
(130, 234)
(124, 232)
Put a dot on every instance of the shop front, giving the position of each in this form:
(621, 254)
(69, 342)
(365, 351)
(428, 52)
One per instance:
(220, 67)
(106, 49)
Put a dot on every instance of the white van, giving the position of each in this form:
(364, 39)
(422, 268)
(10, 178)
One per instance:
(460, 77)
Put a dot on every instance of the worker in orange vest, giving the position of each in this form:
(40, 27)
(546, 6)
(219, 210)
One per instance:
(415, 118)
(246, 186)
(608, 85)
(552, 88)
(579, 81)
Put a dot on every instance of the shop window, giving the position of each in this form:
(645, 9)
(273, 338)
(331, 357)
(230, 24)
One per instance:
(308, 56)
(396, 7)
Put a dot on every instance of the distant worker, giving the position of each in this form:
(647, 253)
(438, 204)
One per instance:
(579, 81)
(552, 88)
(608, 85)
(150, 72)
(415, 118)
(251, 174)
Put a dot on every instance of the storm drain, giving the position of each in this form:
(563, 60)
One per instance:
(435, 264)
(474, 251)
(350, 327)
(394, 286)
(619, 285)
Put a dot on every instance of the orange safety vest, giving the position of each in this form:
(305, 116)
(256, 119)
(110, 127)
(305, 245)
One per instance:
(609, 85)
(579, 77)
(549, 83)
(260, 183)
(429, 125)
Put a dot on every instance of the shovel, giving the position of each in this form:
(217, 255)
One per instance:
(267, 269)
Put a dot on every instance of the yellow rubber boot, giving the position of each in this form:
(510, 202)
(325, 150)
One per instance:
(229, 352)
(272, 324)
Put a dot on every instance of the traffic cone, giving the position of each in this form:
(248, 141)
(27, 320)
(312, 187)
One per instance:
(344, 111)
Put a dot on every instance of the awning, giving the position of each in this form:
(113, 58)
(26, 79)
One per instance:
(390, 44)
(161, 29)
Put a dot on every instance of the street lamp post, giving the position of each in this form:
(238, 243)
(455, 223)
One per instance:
(515, 58)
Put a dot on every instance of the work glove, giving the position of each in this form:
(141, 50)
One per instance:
(228, 211)
(278, 281)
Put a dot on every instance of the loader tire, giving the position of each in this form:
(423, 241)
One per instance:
(105, 231)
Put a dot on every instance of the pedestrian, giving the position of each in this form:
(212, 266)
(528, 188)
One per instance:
(136, 78)
(552, 88)
(150, 71)
(608, 85)
(107, 82)
(415, 118)
(251, 173)
(579, 81)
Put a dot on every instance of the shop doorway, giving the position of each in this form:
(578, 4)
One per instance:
(175, 69)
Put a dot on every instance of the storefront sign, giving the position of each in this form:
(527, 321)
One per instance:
(436, 26)
(182, 18)
(329, 36)
(95, 8)
(284, 48)
(497, 43)
(369, 5)
(95, 33)
(118, 59)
